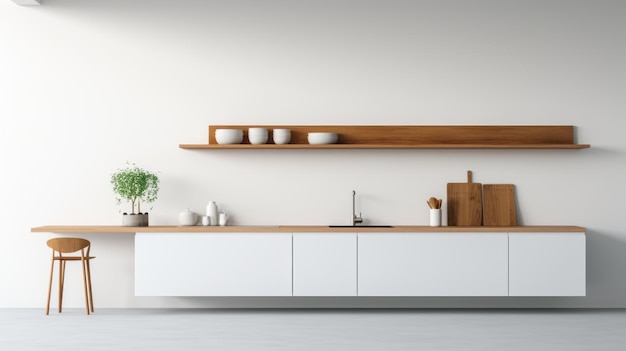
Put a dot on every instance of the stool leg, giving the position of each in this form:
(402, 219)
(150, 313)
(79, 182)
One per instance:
(50, 286)
(89, 282)
(85, 285)
(61, 283)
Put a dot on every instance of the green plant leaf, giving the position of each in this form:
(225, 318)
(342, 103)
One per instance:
(134, 184)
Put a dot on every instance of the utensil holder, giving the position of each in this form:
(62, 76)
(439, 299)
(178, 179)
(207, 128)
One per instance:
(435, 217)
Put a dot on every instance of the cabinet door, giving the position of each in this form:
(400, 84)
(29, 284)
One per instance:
(547, 264)
(324, 264)
(207, 264)
(433, 264)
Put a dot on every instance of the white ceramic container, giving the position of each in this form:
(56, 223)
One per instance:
(257, 131)
(229, 136)
(223, 218)
(435, 217)
(322, 138)
(187, 218)
(257, 135)
(281, 136)
(206, 220)
(211, 212)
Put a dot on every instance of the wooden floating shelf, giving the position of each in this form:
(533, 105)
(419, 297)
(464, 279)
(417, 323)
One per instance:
(374, 146)
(412, 137)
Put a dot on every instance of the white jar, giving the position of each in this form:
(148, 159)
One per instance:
(211, 212)
(187, 218)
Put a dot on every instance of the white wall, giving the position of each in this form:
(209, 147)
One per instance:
(87, 85)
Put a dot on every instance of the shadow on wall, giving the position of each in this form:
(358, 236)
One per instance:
(606, 262)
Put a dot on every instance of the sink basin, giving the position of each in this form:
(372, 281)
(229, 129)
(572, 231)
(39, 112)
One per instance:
(360, 226)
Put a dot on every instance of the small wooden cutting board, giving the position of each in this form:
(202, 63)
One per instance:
(465, 203)
(499, 205)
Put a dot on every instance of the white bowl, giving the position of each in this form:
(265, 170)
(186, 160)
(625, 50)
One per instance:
(281, 136)
(257, 135)
(229, 136)
(257, 130)
(322, 138)
(257, 138)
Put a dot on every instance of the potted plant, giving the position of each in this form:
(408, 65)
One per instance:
(135, 185)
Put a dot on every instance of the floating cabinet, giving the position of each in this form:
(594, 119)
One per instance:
(198, 264)
(547, 264)
(324, 264)
(422, 264)
(345, 263)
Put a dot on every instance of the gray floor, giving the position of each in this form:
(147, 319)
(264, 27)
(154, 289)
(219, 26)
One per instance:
(207, 329)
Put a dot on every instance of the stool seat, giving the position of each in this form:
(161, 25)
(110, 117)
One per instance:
(62, 246)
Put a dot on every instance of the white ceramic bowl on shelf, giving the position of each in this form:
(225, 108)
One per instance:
(322, 138)
(256, 139)
(257, 135)
(281, 136)
(257, 131)
(229, 136)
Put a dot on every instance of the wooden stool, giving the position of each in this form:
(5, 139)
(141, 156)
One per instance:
(62, 246)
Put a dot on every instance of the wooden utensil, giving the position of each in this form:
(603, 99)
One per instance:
(499, 205)
(433, 203)
(465, 203)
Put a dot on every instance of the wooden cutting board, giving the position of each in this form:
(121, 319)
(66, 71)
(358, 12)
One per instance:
(465, 203)
(499, 205)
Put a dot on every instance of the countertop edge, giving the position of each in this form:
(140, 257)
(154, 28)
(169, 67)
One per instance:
(300, 229)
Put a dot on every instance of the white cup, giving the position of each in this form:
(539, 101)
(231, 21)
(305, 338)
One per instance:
(281, 136)
(257, 135)
(223, 219)
(206, 220)
(435, 217)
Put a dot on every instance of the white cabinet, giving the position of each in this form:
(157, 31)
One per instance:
(547, 264)
(360, 264)
(209, 264)
(433, 264)
(324, 264)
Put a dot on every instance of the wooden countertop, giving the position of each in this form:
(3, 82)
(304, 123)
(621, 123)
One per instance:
(297, 229)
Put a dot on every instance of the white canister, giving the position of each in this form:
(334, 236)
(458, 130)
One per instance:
(211, 212)
(435, 217)
(187, 218)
